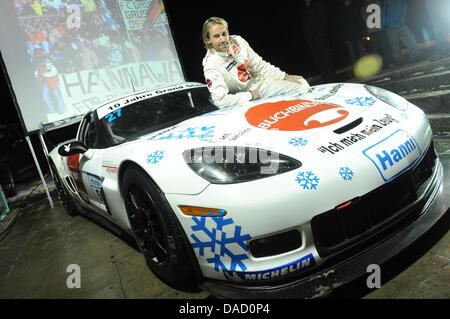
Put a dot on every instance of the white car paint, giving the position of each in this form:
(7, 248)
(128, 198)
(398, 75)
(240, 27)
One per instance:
(270, 205)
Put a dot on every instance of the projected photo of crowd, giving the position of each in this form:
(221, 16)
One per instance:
(86, 52)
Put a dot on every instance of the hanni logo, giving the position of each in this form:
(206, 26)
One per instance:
(394, 154)
(295, 115)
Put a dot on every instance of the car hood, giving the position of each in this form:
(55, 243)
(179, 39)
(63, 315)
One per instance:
(267, 123)
(328, 125)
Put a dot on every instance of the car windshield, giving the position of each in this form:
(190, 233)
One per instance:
(156, 113)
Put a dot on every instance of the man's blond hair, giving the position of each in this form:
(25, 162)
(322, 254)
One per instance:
(209, 23)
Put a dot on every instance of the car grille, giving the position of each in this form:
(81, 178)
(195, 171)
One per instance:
(373, 215)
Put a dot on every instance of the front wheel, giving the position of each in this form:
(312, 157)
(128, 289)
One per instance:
(157, 231)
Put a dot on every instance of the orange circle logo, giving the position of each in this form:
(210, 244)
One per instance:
(295, 115)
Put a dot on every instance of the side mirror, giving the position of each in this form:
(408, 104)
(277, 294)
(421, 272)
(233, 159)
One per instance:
(72, 148)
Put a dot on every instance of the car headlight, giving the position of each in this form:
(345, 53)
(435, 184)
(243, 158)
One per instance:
(228, 165)
(388, 97)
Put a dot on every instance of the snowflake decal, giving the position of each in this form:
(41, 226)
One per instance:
(217, 248)
(361, 101)
(298, 141)
(307, 180)
(346, 173)
(155, 157)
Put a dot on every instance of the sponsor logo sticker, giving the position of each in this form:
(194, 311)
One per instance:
(394, 154)
(298, 265)
(295, 115)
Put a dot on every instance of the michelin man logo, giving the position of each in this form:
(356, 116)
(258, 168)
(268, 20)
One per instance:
(220, 242)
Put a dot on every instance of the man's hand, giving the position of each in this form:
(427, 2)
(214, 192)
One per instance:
(293, 78)
(256, 94)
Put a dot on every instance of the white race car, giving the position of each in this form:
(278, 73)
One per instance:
(291, 196)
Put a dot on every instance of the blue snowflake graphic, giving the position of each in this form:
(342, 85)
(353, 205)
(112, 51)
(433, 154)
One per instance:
(307, 180)
(216, 247)
(191, 132)
(361, 101)
(346, 173)
(298, 141)
(155, 157)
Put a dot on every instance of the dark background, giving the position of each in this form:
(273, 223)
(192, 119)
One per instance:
(272, 28)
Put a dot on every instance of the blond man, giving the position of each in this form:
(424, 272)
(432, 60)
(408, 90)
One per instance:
(235, 74)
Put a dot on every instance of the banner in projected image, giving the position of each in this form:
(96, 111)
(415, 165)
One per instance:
(65, 58)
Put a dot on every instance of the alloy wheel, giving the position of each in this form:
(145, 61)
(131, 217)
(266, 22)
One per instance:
(147, 225)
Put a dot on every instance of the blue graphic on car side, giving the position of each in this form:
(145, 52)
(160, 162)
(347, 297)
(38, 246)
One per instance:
(96, 185)
(191, 132)
(216, 245)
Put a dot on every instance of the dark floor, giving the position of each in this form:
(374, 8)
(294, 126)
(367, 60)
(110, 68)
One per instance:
(43, 242)
(38, 244)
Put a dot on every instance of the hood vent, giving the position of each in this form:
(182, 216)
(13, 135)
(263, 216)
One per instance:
(349, 126)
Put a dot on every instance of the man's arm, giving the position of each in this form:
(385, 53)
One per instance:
(220, 92)
(258, 65)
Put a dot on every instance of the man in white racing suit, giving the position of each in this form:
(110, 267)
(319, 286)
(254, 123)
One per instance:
(235, 74)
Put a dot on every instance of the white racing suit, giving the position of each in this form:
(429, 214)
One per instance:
(231, 75)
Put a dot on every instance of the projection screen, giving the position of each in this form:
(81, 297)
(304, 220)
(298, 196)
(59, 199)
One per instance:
(64, 57)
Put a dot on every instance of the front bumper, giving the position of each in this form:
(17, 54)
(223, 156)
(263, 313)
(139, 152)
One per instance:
(340, 270)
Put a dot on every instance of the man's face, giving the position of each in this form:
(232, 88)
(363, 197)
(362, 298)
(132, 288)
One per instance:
(218, 37)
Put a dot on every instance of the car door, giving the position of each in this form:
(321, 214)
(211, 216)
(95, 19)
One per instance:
(89, 167)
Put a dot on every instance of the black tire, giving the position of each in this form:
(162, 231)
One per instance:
(157, 231)
(63, 194)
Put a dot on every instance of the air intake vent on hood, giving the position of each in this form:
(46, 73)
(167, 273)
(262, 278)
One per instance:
(349, 126)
